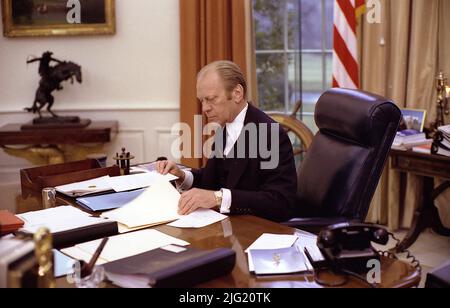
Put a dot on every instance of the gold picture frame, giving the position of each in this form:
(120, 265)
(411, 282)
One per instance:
(43, 18)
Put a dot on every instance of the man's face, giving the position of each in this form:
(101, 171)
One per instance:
(216, 104)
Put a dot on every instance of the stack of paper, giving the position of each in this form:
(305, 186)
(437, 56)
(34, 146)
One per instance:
(158, 204)
(444, 145)
(58, 219)
(123, 246)
(117, 183)
(407, 139)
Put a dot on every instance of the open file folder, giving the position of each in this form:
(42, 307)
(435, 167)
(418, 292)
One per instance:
(108, 201)
(158, 204)
(117, 184)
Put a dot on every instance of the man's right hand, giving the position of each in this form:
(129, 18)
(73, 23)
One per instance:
(164, 167)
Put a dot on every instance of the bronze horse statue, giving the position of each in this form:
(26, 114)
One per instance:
(51, 78)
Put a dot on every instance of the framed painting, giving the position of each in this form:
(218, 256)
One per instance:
(32, 18)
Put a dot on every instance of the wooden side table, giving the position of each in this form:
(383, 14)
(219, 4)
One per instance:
(53, 146)
(427, 166)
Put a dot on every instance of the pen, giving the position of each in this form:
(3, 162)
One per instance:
(86, 269)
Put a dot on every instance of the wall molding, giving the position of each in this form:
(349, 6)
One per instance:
(104, 108)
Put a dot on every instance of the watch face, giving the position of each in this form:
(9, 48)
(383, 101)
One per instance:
(218, 195)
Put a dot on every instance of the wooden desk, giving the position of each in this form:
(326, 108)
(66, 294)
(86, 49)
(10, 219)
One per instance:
(428, 167)
(96, 132)
(52, 146)
(238, 232)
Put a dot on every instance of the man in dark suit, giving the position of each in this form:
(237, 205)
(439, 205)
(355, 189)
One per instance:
(252, 169)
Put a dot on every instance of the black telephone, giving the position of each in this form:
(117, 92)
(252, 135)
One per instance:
(348, 246)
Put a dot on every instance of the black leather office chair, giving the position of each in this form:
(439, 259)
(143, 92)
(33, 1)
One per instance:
(341, 170)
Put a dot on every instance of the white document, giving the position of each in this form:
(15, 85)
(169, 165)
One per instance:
(198, 219)
(61, 218)
(136, 181)
(123, 246)
(85, 187)
(269, 241)
(152, 167)
(273, 241)
(158, 204)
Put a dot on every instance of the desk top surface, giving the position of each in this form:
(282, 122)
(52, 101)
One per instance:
(429, 165)
(411, 153)
(238, 232)
(100, 131)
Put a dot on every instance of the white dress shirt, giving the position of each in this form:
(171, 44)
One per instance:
(233, 131)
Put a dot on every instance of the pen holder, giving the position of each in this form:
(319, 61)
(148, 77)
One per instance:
(91, 281)
(123, 161)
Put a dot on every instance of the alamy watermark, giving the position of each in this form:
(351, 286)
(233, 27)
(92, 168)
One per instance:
(74, 14)
(374, 274)
(256, 141)
(373, 11)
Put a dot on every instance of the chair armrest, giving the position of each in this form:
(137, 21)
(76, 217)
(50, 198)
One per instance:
(315, 224)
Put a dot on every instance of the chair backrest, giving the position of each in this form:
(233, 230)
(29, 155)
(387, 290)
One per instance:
(342, 168)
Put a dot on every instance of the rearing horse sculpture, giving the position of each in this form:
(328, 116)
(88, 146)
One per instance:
(51, 78)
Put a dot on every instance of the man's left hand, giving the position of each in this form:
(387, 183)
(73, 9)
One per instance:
(195, 199)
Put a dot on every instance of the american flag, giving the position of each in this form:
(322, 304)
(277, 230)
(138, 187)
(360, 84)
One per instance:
(345, 47)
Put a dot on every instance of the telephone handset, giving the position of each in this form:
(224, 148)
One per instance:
(348, 245)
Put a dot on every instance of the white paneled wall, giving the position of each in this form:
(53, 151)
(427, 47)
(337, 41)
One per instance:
(132, 76)
(146, 133)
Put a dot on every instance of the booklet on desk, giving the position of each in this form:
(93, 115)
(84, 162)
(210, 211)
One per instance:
(9, 222)
(278, 261)
(162, 268)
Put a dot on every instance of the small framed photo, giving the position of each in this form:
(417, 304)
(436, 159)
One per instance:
(413, 119)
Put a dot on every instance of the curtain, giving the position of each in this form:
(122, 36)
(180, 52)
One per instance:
(212, 30)
(400, 58)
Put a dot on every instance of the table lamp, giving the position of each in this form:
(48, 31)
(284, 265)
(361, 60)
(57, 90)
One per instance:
(443, 93)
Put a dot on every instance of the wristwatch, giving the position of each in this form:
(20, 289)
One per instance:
(218, 195)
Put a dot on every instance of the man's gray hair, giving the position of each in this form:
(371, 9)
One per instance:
(230, 73)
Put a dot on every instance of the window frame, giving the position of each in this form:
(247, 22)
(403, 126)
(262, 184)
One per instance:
(287, 52)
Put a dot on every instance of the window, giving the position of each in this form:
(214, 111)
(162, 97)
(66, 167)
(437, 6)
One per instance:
(288, 70)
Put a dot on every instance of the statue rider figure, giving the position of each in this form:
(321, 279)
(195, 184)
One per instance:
(44, 65)
(51, 78)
